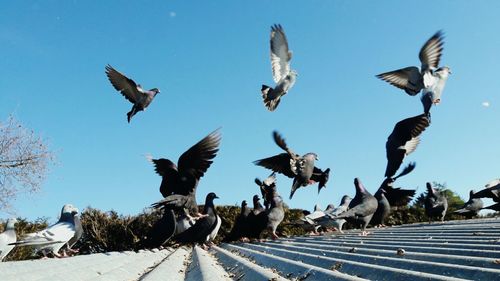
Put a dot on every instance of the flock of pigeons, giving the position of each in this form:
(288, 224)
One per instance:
(181, 219)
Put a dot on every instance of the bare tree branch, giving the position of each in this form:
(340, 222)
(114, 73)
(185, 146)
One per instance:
(24, 161)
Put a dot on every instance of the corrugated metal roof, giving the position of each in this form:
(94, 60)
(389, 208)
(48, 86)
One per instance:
(457, 250)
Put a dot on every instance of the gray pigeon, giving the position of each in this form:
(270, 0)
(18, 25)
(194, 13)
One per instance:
(76, 237)
(283, 76)
(53, 238)
(300, 168)
(315, 215)
(435, 204)
(203, 226)
(179, 182)
(471, 207)
(492, 190)
(403, 140)
(330, 220)
(7, 237)
(428, 78)
(275, 214)
(361, 208)
(131, 91)
(383, 209)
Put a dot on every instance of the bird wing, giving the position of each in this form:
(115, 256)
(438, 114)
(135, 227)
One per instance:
(320, 176)
(408, 79)
(409, 128)
(123, 84)
(196, 160)
(280, 55)
(60, 232)
(430, 53)
(163, 166)
(279, 163)
(398, 197)
(280, 141)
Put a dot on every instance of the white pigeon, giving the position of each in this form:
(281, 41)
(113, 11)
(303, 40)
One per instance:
(54, 237)
(316, 214)
(7, 237)
(428, 78)
(283, 76)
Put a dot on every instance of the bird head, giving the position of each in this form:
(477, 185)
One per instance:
(359, 186)
(244, 203)
(429, 188)
(212, 196)
(256, 198)
(11, 223)
(155, 90)
(312, 156)
(345, 200)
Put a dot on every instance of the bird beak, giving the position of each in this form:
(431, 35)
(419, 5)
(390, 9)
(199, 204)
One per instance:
(216, 197)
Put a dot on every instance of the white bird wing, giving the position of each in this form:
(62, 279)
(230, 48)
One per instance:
(280, 54)
(60, 232)
(316, 215)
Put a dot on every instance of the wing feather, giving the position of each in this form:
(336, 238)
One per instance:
(280, 54)
(430, 53)
(127, 87)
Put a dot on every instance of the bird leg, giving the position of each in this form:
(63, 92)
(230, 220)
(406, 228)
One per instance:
(364, 233)
(274, 236)
(198, 216)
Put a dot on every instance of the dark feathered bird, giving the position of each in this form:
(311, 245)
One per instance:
(203, 226)
(471, 207)
(275, 214)
(435, 204)
(429, 77)
(492, 191)
(300, 168)
(494, 207)
(179, 182)
(397, 196)
(361, 208)
(241, 226)
(383, 209)
(161, 231)
(131, 91)
(403, 140)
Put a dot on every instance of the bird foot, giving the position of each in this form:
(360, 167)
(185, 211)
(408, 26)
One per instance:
(274, 236)
(364, 233)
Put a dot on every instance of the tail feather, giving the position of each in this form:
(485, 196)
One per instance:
(271, 104)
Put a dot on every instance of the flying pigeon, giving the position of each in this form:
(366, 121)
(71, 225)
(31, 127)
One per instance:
(7, 237)
(203, 226)
(403, 140)
(329, 220)
(428, 78)
(131, 91)
(53, 238)
(283, 76)
(492, 190)
(361, 208)
(241, 226)
(435, 203)
(179, 183)
(266, 187)
(300, 168)
(471, 207)
(397, 196)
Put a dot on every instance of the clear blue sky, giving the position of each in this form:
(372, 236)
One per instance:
(209, 58)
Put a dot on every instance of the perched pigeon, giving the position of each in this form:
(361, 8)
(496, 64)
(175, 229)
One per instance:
(241, 226)
(316, 214)
(300, 168)
(275, 214)
(7, 237)
(428, 78)
(53, 238)
(361, 208)
(131, 91)
(383, 209)
(76, 237)
(266, 187)
(257, 207)
(162, 230)
(403, 140)
(471, 207)
(494, 207)
(203, 226)
(398, 197)
(435, 204)
(492, 190)
(329, 221)
(283, 76)
(179, 182)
